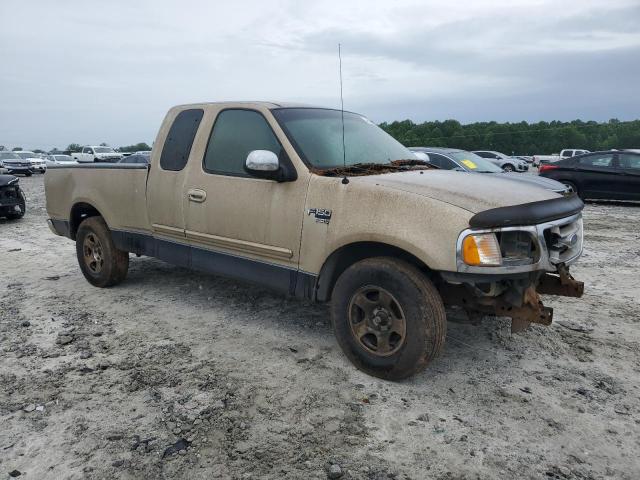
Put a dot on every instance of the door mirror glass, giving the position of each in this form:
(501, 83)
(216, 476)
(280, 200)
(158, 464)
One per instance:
(261, 161)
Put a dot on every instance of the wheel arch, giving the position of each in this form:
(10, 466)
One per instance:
(79, 212)
(346, 255)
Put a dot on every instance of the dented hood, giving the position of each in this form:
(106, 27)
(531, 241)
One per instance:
(470, 191)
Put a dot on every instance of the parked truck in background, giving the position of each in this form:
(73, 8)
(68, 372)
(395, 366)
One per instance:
(566, 153)
(91, 154)
(267, 193)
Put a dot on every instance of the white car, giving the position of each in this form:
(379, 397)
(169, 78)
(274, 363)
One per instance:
(13, 163)
(505, 162)
(37, 163)
(59, 159)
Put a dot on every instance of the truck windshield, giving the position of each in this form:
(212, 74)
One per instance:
(103, 149)
(8, 156)
(316, 134)
(475, 163)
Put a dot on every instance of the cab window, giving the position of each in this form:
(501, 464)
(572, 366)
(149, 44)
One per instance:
(235, 133)
(177, 146)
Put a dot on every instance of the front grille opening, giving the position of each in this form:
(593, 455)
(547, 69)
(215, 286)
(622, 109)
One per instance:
(564, 242)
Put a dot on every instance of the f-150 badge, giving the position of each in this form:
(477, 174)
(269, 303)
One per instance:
(321, 215)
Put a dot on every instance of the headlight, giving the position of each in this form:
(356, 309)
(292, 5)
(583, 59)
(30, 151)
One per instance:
(481, 249)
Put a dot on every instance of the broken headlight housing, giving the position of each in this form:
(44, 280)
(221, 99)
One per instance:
(498, 249)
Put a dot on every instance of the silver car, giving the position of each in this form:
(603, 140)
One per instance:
(505, 162)
(463, 161)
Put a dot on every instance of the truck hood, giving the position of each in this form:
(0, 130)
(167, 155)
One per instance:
(473, 192)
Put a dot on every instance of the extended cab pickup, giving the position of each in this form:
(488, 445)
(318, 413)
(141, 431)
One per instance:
(274, 194)
(90, 154)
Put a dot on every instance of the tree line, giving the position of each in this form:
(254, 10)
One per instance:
(521, 138)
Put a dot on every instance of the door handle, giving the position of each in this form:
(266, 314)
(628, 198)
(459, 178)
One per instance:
(196, 195)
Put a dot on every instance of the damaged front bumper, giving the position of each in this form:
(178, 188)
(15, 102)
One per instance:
(516, 296)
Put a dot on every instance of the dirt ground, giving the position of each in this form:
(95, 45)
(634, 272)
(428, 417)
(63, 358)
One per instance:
(175, 374)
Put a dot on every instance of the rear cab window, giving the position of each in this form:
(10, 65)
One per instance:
(177, 146)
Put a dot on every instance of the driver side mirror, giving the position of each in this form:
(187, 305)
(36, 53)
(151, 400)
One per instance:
(422, 156)
(265, 164)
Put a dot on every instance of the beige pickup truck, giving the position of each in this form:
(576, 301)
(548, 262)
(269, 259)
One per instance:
(325, 206)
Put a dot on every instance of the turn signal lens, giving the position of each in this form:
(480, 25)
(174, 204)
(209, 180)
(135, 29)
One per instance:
(481, 249)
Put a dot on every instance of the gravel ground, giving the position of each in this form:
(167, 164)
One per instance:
(175, 374)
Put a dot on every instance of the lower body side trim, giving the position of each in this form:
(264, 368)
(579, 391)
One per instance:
(283, 279)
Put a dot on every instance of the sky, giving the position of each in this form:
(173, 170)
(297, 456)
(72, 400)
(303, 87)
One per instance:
(85, 71)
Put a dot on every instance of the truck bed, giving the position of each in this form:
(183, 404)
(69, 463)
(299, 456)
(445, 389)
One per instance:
(110, 188)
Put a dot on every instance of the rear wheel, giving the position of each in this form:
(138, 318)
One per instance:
(28, 174)
(388, 318)
(102, 264)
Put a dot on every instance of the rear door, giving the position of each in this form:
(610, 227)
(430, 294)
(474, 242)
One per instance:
(597, 175)
(165, 189)
(629, 163)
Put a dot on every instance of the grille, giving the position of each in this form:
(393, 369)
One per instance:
(564, 241)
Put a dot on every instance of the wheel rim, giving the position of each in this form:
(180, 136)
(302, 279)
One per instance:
(377, 321)
(508, 168)
(570, 186)
(92, 250)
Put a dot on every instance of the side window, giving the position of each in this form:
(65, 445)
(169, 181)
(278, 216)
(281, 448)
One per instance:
(177, 146)
(629, 160)
(86, 150)
(597, 160)
(442, 162)
(236, 133)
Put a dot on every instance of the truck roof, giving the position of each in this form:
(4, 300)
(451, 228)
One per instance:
(269, 105)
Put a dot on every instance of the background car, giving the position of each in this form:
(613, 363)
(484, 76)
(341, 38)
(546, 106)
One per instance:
(12, 199)
(59, 159)
(612, 174)
(463, 161)
(507, 163)
(37, 163)
(13, 163)
(136, 158)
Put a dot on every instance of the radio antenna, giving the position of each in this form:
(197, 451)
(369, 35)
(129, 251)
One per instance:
(345, 180)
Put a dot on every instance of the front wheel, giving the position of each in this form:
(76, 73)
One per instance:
(102, 264)
(508, 168)
(28, 174)
(22, 205)
(388, 318)
(573, 188)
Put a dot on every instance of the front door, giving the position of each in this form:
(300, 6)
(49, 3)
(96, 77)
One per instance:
(237, 223)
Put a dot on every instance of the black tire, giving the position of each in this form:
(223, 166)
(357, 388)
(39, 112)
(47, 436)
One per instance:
(23, 208)
(416, 300)
(509, 168)
(102, 264)
(28, 174)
